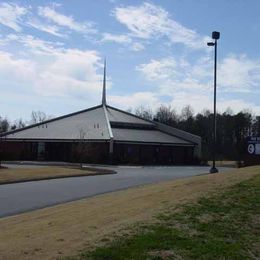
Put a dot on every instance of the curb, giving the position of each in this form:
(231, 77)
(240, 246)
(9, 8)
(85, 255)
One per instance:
(57, 177)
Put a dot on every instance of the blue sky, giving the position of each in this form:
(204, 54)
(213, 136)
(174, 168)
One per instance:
(52, 54)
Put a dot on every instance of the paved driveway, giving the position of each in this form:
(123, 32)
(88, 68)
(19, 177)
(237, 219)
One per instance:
(27, 196)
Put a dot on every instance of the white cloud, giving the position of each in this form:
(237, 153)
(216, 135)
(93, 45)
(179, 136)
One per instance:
(199, 102)
(15, 70)
(186, 83)
(37, 46)
(137, 99)
(143, 21)
(118, 38)
(158, 69)
(124, 39)
(137, 46)
(65, 21)
(239, 73)
(4, 40)
(150, 21)
(71, 71)
(50, 70)
(235, 74)
(48, 19)
(39, 25)
(170, 74)
(11, 15)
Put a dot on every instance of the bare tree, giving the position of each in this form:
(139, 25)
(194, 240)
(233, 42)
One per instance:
(166, 115)
(145, 113)
(81, 148)
(187, 112)
(39, 116)
(4, 127)
(19, 123)
(229, 111)
(129, 110)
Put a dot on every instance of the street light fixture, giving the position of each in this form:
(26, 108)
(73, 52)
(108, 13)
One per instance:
(215, 36)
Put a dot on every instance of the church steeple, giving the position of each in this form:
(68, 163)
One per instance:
(104, 101)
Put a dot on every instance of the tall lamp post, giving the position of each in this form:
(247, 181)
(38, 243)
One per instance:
(215, 37)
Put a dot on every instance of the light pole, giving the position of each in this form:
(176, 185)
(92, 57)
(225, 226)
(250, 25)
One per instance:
(1, 150)
(215, 36)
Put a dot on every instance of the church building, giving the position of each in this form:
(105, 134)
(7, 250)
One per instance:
(102, 134)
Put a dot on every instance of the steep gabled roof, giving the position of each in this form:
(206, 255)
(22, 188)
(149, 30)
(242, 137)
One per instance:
(103, 123)
(87, 124)
(122, 119)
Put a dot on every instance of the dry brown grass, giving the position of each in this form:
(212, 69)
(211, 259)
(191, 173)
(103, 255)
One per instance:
(12, 175)
(224, 163)
(66, 229)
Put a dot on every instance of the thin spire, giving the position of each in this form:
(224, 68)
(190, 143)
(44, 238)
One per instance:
(104, 101)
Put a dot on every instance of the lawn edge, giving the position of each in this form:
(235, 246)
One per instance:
(107, 172)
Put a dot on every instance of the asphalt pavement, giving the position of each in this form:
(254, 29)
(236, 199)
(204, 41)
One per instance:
(22, 197)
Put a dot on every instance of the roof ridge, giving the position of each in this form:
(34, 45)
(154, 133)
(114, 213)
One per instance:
(108, 122)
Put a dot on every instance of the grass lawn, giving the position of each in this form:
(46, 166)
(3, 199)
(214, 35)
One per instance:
(185, 218)
(224, 163)
(12, 175)
(224, 226)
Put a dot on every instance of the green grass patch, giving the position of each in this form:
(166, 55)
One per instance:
(225, 226)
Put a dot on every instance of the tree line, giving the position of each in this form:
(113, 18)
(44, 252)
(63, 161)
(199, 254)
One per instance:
(36, 117)
(232, 129)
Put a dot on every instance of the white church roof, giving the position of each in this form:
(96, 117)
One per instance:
(92, 125)
(89, 124)
(146, 136)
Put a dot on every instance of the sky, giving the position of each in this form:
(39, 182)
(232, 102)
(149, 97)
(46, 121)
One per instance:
(52, 55)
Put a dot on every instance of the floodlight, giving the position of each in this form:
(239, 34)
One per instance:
(215, 35)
